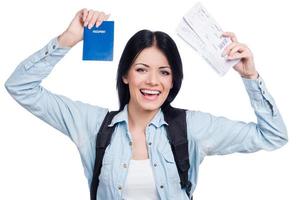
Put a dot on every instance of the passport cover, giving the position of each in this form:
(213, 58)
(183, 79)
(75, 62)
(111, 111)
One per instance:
(98, 43)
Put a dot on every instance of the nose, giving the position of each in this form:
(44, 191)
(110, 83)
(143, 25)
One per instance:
(152, 78)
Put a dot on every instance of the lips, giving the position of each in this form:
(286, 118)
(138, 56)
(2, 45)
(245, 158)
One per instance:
(150, 95)
(150, 92)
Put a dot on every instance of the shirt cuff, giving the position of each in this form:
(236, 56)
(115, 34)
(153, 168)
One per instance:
(259, 96)
(52, 53)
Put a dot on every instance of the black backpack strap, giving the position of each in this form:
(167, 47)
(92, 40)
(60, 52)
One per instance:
(102, 141)
(177, 135)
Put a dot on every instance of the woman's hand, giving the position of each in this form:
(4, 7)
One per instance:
(236, 50)
(83, 18)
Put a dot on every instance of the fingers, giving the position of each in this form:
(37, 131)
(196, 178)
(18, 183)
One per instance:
(238, 56)
(236, 50)
(91, 18)
(230, 35)
(84, 14)
(88, 17)
(232, 48)
(102, 17)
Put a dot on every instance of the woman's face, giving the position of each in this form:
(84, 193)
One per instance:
(149, 79)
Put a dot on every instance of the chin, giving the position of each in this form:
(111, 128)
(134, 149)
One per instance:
(149, 104)
(151, 107)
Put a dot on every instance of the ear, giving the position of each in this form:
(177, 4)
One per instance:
(125, 79)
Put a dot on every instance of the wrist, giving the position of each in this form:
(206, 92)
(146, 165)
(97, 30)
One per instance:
(66, 40)
(253, 76)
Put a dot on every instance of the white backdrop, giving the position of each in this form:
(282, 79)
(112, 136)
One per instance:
(38, 162)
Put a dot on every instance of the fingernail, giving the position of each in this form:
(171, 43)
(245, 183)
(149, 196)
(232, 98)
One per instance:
(229, 57)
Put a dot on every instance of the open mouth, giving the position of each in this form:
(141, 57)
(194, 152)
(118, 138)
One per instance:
(150, 92)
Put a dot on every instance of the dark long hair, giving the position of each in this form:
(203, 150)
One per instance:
(138, 42)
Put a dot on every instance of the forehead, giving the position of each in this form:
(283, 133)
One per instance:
(152, 56)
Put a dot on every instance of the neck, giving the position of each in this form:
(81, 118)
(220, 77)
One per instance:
(139, 118)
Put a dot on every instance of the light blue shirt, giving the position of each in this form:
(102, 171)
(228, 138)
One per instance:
(207, 134)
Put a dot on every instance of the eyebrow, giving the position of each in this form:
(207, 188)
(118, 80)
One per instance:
(162, 67)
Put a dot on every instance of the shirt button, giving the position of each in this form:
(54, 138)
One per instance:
(149, 143)
(46, 53)
(161, 186)
(53, 47)
(119, 187)
(260, 82)
(130, 143)
(155, 165)
(125, 165)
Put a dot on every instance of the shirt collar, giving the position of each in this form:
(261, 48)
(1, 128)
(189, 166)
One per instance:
(158, 120)
(120, 117)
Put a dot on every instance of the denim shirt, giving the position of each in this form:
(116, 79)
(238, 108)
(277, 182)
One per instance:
(207, 134)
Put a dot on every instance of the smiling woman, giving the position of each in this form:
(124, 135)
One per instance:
(149, 80)
(145, 133)
(164, 73)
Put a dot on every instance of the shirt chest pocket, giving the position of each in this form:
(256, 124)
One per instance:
(107, 167)
(168, 163)
(168, 166)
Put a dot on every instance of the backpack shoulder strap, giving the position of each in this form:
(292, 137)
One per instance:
(177, 135)
(102, 141)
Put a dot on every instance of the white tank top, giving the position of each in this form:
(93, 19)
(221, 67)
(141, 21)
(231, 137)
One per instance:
(140, 182)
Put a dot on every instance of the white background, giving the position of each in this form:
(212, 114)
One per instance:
(38, 162)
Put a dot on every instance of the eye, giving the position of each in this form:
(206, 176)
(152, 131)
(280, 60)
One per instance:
(165, 72)
(140, 69)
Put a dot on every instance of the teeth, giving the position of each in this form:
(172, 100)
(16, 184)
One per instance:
(150, 91)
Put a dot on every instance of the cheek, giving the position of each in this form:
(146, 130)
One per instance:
(168, 83)
(134, 82)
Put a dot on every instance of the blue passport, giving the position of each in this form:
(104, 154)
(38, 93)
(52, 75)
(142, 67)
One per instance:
(98, 43)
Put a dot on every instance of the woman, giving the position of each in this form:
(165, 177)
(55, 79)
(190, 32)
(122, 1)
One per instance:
(138, 163)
